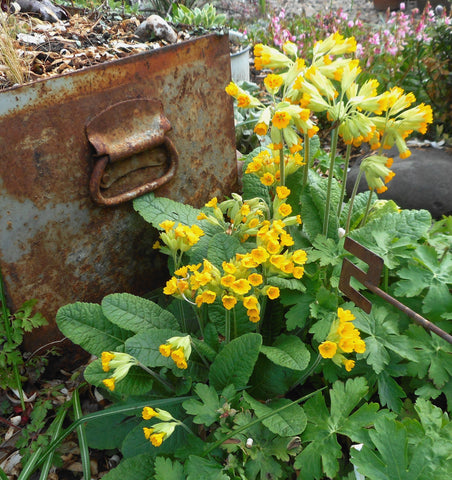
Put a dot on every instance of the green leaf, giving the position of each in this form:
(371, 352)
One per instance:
(222, 248)
(136, 313)
(197, 468)
(134, 468)
(263, 466)
(392, 459)
(205, 411)
(288, 351)
(145, 347)
(320, 455)
(413, 224)
(286, 283)
(235, 363)
(155, 210)
(381, 326)
(297, 314)
(326, 251)
(87, 326)
(312, 218)
(165, 469)
(390, 392)
(107, 433)
(288, 422)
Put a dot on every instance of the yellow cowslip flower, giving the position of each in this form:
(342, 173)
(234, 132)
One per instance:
(243, 100)
(156, 245)
(360, 346)
(261, 129)
(273, 82)
(232, 89)
(107, 357)
(417, 118)
(375, 169)
(328, 349)
(281, 119)
(120, 363)
(298, 272)
(212, 203)
(250, 302)
(349, 364)
(229, 267)
(208, 296)
(179, 348)
(228, 301)
(241, 286)
(259, 255)
(277, 261)
(321, 82)
(345, 315)
(286, 240)
(247, 261)
(282, 192)
(346, 344)
(148, 413)
(159, 432)
(167, 225)
(109, 383)
(253, 223)
(285, 210)
(268, 57)
(255, 279)
(299, 257)
(272, 292)
(273, 247)
(268, 179)
(287, 267)
(299, 220)
(227, 280)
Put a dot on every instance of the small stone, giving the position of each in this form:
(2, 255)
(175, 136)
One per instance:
(157, 26)
(422, 181)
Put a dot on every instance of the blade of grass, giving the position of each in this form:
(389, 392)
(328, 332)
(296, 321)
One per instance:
(82, 440)
(58, 423)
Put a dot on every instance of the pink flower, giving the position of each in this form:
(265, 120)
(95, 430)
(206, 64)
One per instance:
(402, 5)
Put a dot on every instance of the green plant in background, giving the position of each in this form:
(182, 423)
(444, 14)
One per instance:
(12, 330)
(206, 17)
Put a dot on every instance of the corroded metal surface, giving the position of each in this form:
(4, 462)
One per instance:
(371, 279)
(56, 245)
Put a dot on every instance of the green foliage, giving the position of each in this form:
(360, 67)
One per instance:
(206, 16)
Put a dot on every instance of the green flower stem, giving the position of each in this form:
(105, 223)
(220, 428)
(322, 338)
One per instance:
(182, 316)
(310, 371)
(182, 424)
(366, 213)
(167, 385)
(232, 433)
(9, 339)
(227, 327)
(82, 440)
(306, 148)
(282, 168)
(334, 138)
(201, 356)
(344, 179)
(352, 200)
(234, 317)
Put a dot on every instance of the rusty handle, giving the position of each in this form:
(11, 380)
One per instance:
(99, 170)
(419, 319)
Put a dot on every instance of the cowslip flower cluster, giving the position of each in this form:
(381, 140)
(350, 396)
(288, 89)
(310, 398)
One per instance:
(237, 217)
(120, 363)
(179, 349)
(329, 84)
(246, 277)
(178, 237)
(160, 431)
(342, 338)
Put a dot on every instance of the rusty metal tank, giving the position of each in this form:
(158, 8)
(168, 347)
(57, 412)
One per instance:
(76, 149)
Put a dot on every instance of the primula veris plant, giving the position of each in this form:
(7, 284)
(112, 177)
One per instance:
(250, 363)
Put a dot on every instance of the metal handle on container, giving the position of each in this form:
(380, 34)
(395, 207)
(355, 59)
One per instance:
(125, 129)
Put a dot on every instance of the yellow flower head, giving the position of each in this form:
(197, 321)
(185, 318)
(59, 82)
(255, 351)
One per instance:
(148, 413)
(228, 301)
(281, 119)
(282, 192)
(272, 292)
(328, 349)
(109, 383)
(167, 225)
(232, 89)
(273, 82)
(255, 279)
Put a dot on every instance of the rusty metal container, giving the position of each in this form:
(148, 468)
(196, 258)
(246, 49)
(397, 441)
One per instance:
(155, 121)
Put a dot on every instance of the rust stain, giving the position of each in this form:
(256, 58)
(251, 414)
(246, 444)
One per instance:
(56, 245)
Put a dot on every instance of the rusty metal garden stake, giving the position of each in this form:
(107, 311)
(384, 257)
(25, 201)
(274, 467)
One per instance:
(370, 280)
